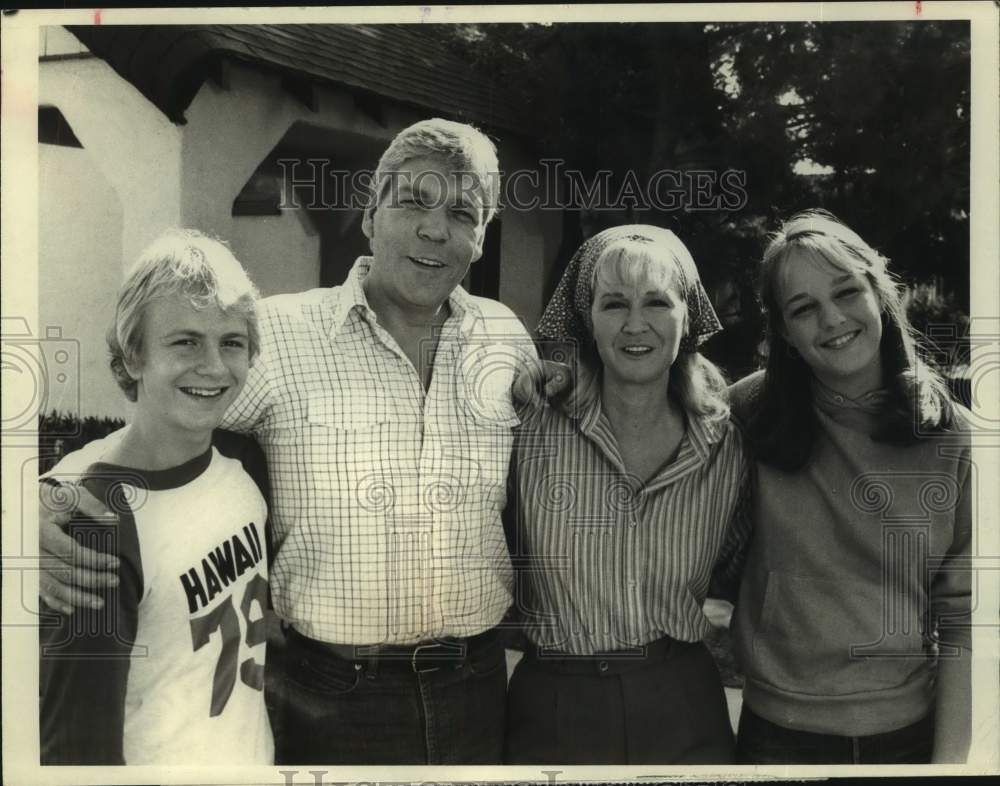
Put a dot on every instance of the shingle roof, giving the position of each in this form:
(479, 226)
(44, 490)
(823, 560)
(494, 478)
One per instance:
(411, 64)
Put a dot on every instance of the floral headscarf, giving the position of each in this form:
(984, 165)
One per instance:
(567, 316)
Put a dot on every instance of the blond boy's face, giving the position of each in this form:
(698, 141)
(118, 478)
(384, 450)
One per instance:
(193, 364)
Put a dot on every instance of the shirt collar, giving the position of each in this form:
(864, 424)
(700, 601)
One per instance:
(704, 432)
(352, 297)
(695, 449)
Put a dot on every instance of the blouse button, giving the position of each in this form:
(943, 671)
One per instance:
(602, 666)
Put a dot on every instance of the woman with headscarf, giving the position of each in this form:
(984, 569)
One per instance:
(623, 493)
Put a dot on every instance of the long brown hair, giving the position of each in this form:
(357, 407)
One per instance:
(783, 429)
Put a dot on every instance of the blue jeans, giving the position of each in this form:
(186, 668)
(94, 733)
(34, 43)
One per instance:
(759, 741)
(334, 710)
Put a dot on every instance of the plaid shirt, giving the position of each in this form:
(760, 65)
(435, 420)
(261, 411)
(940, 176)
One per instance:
(386, 497)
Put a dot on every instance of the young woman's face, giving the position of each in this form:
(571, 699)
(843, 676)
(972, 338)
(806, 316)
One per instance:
(832, 317)
(638, 326)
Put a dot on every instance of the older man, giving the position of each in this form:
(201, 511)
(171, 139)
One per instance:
(383, 406)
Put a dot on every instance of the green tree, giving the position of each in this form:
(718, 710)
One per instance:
(869, 120)
(874, 116)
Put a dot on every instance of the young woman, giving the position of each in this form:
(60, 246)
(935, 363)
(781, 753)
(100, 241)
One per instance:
(851, 622)
(623, 493)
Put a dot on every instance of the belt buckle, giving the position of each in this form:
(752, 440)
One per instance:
(413, 659)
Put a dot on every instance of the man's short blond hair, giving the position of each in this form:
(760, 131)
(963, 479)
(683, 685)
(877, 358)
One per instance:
(467, 149)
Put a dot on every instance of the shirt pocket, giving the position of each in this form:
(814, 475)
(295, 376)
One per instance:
(347, 411)
(348, 437)
(831, 638)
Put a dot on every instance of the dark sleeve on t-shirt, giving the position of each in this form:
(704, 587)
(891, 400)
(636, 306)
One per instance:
(245, 449)
(85, 657)
(248, 452)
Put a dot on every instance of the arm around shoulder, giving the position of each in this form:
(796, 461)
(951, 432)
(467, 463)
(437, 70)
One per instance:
(728, 570)
(68, 568)
(744, 397)
(84, 665)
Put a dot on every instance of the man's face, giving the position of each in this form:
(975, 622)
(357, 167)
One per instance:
(425, 233)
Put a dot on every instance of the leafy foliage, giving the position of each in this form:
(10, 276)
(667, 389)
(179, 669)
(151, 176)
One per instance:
(879, 111)
(61, 433)
(869, 120)
(942, 323)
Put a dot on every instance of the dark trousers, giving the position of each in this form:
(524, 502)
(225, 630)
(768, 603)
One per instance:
(759, 741)
(668, 707)
(384, 710)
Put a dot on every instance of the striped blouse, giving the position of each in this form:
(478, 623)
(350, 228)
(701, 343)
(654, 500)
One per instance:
(610, 563)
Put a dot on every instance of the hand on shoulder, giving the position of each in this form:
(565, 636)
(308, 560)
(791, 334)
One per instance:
(744, 396)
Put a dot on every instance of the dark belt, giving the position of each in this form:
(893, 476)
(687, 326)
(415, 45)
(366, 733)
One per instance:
(608, 663)
(422, 657)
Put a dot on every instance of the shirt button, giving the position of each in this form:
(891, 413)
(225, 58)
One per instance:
(602, 666)
(839, 399)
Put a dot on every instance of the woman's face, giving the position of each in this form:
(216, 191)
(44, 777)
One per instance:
(832, 317)
(638, 326)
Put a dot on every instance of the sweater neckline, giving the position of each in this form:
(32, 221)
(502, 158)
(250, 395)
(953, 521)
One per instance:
(830, 401)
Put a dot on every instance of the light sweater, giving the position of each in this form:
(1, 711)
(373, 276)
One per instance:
(850, 571)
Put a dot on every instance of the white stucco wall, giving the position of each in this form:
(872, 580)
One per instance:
(278, 252)
(80, 251)
(99, 206)
(57, 40)
(229, 132)
(153, 174)
(132, 143)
